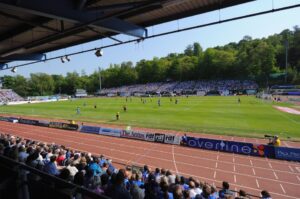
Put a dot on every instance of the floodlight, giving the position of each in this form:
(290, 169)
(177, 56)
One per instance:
(67, 58)
(14, 69)
(99, 52)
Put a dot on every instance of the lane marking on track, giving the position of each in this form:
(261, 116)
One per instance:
(218, 156)
(298, 169)
(253, 171)
(174, 161)
(251, 162)
(257, 183)
(234, 177)
(233, 159)
(270, 165)
(292, 170)
(234, 168)
(298, 178)
(154, 166)
(216, 164)
(215, 174)
(282, 188)
(275, 175)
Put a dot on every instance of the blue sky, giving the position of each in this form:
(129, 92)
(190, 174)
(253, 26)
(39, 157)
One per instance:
(256, 27)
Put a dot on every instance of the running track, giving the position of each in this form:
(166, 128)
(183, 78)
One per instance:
(280, 178)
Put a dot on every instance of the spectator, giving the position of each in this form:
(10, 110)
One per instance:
(242, 195)
(214, 193)
(192, 189)
(225, 190)
(177, 193)
(22, 154)
(198, 187)
(136, 192)
(117, 190)
(265, 195)
(51, 167)
(94, 166)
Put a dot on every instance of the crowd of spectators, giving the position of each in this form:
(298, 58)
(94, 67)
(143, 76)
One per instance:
(8, 95)
(98, 174)
(185, 86)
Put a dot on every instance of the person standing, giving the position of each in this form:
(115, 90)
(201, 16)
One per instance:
(117, 116)
(77, 110)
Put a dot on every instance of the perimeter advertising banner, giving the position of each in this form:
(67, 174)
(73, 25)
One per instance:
(172, 139)
(27, 121)
(65, 126)
(150, 137)
(90, 129)
(231, 147)
(6, 119)
(134, 135)
(159, 137)
(284, 153)
(110, 132)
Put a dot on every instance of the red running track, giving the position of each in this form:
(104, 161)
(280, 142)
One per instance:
(252, 174)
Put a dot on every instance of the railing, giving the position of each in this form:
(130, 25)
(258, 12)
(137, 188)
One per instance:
(19, 181)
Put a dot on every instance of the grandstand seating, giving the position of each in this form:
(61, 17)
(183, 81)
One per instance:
(222, 86)
(8, 95)
(24, 167)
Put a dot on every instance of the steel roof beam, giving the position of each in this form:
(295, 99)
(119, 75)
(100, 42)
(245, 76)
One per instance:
(64, 10)
(23, 57)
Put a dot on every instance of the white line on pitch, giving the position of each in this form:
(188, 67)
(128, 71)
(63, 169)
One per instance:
(275, 175)
(282, 188)
(257, 183)
(215, 173)
(234, 177)
(292, 170)
(253, 171)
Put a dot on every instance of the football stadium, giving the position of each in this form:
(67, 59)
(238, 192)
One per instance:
(153, 113)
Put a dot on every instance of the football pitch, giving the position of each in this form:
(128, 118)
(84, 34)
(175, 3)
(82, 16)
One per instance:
(218, 115)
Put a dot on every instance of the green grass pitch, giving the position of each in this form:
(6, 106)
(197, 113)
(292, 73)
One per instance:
(215, 114)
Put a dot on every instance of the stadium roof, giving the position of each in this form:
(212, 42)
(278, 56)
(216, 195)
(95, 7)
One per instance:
(29, 28)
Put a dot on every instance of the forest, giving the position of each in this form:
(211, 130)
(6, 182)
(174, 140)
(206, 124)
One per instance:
(262, 60)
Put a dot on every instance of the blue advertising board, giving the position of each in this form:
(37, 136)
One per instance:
(90, 129)
(285, 153)
(231, 146)
(110, 132)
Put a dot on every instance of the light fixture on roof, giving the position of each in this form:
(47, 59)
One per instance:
(64, 59)
(14, 69)
(67, 58)
(99, 52)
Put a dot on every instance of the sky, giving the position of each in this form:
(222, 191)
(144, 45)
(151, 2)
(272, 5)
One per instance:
(210, 36)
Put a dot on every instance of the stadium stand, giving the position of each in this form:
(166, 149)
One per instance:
(8, 95)
(40, 170)
(225, 87)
